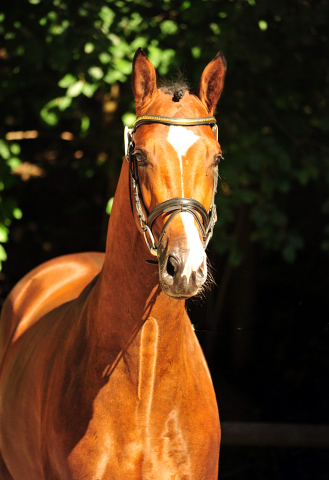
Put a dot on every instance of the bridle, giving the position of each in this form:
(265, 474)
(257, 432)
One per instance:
(174, 205)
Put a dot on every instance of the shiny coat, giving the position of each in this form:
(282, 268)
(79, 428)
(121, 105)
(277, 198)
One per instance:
(102, 375)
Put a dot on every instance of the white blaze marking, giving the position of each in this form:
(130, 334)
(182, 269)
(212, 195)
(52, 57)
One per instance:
(181, 139)
(197, 256)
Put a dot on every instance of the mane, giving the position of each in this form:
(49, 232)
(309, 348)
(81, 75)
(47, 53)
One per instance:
(176, 87)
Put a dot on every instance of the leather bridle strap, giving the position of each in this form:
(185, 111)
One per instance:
(182, 122)
(179, 203)
(205, 220)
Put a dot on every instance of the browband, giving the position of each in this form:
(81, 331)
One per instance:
(184, 122)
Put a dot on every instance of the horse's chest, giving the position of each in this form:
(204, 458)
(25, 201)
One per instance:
(145, 444)
(158, 427)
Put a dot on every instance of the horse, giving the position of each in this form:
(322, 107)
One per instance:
(102, 375)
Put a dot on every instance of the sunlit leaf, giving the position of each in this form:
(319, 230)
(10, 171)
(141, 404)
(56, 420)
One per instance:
(67, 80)
(109, 206)
(4, 150)
(3, 255)
(15, 148)
(49, 116)
(75, 89)
(107, 15)
(89, 89)
(105, 58)
(13, 162)
(96, 73)
(89, 47)
(17, 213)
(262, 24)
(85, 123)
(128, 119)
(168, 27)
(64, 103)
(3, 233)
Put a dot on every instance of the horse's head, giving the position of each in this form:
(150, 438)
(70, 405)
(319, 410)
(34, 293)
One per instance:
(173, 165)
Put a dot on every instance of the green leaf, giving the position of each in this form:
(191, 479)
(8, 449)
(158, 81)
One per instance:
(4, 150)
(13, 162)
(89, 89)
(185, 5)
(196, 52)
(85, 123)
(75, 89)
(3, 255)
(128, 119)
(63, 103)
(67, 81)
(104, 58)
(168, 27)
(124, 66)
(15, 148)
(3, 233)
(17, 213)
(114, 76)
(96, 73)
(89, 47)
(109, 206)
(262, 24)
(107, 15)
(51, 118)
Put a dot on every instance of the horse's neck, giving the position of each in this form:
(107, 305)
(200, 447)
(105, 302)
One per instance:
(128, 292)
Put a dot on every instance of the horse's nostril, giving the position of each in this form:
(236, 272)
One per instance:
(172, 266)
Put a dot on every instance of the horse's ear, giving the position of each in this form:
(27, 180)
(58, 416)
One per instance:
(212, 82)
(143, 81)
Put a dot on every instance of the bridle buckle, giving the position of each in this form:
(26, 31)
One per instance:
(128, 140)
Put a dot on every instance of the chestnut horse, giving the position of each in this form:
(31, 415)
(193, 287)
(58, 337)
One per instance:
(102, 374)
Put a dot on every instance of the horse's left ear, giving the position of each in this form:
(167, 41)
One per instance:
(143, 81)
(212, 82)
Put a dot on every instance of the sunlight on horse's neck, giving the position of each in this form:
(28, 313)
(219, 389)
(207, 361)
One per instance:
(128, 287)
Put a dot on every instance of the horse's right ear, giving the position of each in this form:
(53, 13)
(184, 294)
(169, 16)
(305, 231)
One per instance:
(143, 81)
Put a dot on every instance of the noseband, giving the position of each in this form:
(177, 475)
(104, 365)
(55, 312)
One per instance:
(174, 205)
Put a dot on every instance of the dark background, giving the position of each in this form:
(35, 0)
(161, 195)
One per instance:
(65, 75)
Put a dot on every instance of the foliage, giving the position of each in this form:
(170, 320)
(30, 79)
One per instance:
(65, 68)
(8, 205)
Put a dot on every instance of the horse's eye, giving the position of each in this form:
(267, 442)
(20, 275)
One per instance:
(217, 159)
(139, 156)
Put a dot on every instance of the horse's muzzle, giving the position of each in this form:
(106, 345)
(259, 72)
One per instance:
(177, 278)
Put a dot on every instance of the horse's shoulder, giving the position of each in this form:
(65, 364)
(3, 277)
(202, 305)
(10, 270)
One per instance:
(46, 287)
